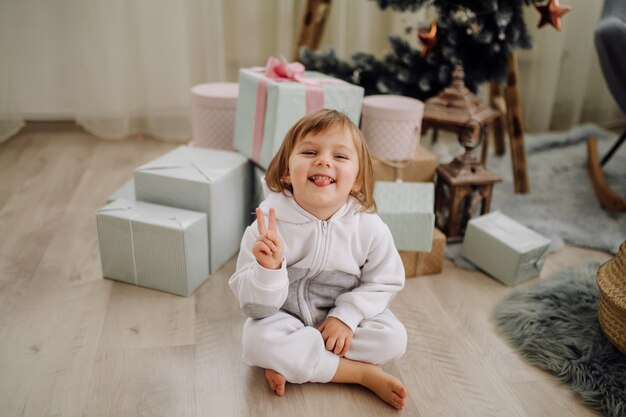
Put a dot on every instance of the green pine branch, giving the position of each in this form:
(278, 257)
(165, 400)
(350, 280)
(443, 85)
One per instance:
(480, 34)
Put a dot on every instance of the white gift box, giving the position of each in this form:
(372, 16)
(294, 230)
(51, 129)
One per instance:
(210, 181)
(408, 210)
(126, 191)
(504, 248)
(153, 246)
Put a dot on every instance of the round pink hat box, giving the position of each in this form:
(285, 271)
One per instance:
(391, 126)
(213, 115)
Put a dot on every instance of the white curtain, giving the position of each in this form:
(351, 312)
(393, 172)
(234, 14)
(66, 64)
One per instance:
(561, 80)
(122, 67)
(10, 120)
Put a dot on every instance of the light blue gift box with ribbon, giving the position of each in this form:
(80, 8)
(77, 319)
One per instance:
(408, 210)
(214, 182)
(505, 249)
(153, 246)
(274, 98)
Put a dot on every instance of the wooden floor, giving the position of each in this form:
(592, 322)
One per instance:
(75, 344)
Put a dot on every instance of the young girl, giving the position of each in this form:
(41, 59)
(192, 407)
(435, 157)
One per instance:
(317, 280)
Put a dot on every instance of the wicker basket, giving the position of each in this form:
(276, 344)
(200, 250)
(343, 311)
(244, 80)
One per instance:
(611, 279)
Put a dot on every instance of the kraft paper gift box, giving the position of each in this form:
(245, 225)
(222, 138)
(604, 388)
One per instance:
(408, 209)
(420, 168)
(210, 181)
(425, 263)
(504, 248)
(274, 98)
(126, 191)
(153, 246)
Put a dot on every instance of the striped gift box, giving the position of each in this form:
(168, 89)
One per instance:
(153, 246)
(210, 181)
(127, 191)
(505, 249)
(408, 209)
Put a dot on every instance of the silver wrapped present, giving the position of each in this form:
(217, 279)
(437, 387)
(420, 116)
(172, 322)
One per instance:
(504, 248)
(153, 246)
(210, 181)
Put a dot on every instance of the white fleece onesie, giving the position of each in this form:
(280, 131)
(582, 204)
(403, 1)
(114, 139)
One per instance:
(346, 267)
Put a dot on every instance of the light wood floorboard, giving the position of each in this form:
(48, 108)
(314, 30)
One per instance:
(75, 344)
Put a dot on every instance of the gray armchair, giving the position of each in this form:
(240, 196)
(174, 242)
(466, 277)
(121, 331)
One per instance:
(610, 40)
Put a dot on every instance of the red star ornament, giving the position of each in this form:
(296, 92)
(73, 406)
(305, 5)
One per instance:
(551, 13)
(428, 37)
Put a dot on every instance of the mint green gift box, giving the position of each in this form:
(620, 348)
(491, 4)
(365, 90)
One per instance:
(505, 249)
(153, 246)
(211, 181)
(127, 191)
(285, 104)
(408, 210)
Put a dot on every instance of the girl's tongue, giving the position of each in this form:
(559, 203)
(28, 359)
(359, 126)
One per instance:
(321, 181)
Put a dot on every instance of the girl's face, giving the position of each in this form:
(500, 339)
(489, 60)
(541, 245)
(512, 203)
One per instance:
(322, 172)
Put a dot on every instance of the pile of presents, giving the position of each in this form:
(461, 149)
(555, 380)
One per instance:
(182, 216)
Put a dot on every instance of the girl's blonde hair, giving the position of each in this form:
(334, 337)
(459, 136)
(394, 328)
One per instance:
(321, 121)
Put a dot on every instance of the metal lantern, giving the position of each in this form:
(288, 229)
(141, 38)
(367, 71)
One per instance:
(463, 191)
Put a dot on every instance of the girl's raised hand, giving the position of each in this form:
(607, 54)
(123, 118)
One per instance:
(268, 249)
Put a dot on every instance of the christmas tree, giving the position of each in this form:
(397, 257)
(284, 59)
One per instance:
(480, 34)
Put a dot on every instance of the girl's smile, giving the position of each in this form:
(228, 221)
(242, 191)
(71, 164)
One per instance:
(321, 180)
(322, 172)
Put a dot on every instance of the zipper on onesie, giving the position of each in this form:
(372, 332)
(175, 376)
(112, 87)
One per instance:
(320, 255)
(318, 261)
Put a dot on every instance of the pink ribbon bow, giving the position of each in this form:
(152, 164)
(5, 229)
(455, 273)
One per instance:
(280, 68)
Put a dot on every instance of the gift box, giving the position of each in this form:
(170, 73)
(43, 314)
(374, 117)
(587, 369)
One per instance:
(209, 181)
(504, 248)
(126, 191)
(421, 168)
(213, 115)
(274, 98)
(425, 263)
(391, 125)
(153, 246)
(408, 209)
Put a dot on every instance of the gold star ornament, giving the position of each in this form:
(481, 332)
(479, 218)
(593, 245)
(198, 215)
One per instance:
(551, 13)
(428, 37)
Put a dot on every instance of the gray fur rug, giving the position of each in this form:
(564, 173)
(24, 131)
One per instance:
(561, 204)
(554, 325)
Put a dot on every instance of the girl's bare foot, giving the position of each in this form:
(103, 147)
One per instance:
(276, 381)
(386, 386)
(389, 388)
